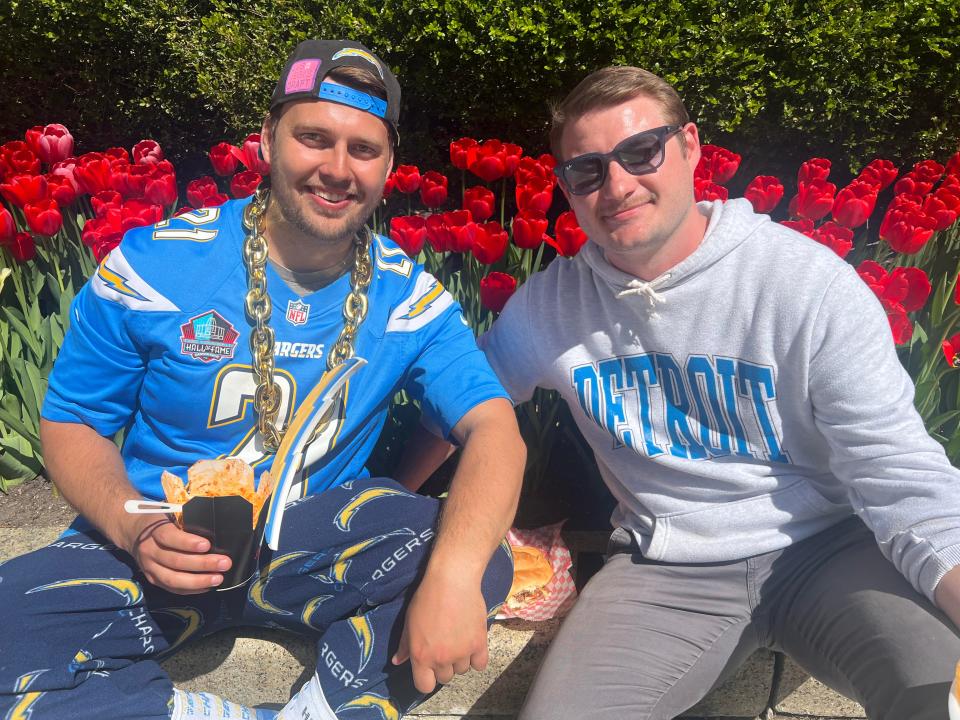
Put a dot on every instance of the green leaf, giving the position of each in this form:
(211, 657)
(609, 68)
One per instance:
(25, 334)
(18, 426)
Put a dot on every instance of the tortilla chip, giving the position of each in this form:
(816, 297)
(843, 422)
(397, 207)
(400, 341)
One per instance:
(173, 488)
(216, 478)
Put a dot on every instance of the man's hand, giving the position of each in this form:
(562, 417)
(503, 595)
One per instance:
(174, 560)
(445, 632)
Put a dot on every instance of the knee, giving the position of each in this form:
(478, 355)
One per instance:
(498, 577)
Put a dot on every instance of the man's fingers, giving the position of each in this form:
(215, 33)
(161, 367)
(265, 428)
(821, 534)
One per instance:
(180, 583)
(190, 562)
(461, 666)
(443, 673)
(403, 649)
(479, 660)
(171, 537)
(424, 677)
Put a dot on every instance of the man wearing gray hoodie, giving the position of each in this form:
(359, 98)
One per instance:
(740, 388)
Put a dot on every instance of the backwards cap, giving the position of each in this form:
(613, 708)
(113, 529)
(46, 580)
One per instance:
(302, 78)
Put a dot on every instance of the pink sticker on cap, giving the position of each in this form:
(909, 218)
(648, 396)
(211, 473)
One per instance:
(302, 76)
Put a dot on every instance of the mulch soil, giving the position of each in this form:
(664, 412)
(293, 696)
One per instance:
(35, 503)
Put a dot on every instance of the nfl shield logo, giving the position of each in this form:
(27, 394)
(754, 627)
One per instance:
(297, 312)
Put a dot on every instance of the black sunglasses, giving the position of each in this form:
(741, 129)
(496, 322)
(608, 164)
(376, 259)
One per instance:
(638, 154)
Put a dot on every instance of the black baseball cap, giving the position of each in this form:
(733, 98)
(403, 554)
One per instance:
(312, 60)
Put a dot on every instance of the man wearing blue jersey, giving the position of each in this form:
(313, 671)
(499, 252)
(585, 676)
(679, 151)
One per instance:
(199, 337)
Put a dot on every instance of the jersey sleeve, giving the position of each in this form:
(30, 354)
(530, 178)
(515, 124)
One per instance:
(97, 376)
(449, 375)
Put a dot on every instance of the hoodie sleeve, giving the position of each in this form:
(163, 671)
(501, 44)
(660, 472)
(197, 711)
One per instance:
(898, 478)
(509, 346)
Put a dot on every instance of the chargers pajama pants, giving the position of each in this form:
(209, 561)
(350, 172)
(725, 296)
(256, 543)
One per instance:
(82, 629)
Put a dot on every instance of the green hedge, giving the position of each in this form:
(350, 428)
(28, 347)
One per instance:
(781, 78)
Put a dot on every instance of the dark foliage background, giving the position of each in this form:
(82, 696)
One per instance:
(776, 81)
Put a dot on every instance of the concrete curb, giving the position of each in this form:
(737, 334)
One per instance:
(255, 667)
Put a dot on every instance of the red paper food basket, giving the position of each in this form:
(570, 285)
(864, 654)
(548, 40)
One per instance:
(561, 591)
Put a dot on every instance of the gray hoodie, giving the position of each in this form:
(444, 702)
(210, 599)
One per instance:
(746, 399)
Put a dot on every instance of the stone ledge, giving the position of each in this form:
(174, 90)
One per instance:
(264, 667)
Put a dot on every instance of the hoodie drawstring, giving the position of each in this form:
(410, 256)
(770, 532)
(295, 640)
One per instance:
(646, 289)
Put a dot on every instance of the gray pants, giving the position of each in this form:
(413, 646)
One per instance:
(647, 640)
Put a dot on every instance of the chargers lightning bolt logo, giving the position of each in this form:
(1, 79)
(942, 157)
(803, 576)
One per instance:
(127, 589)
(341, 564)
(388, 711)
(359, 500)
(364, 631)
(192, 619)
(23, 708)
(259, 586)
(311, 607)
(424, 302)
(118, 282)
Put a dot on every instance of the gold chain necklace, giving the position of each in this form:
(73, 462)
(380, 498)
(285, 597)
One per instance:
(266, 399)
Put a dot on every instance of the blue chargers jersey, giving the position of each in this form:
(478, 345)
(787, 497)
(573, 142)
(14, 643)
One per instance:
(159, 345)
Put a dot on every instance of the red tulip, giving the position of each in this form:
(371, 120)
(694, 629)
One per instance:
(854, 204)
(131, 180)
(953, 165)
(879, 173)
(103, 233)
(918, 287)
(433, 189)
(570, 237)
(480, 201)
(536, 194)
(244, 183)
(438, 234)
(61, 189)
(490, 243)
(956, 290)
(836, 237)
(707, 190)
(223, 157)
(764, 192)
(21, 247)
(463, 231)
(24, 162)
(901, 327)
(463, 152)
(495, 289)
(529, 228)
(407, 178)
(94, 172)
(906, 231)
(161, 186)
(105, 201)
(137, 213)
(815, 198)
(801, 226)
(117, 153)
(53, 144)
(249, 155)
(67, 169)
(43, 217)
(913, 185)
(23, 189)
(936, 206)
(814, 169)
(200, 190)
(495, 160)
(147, 152)
(388, 186)
(951, 350)
(32, 137)
(409, 232)
(928, 170)
(8, 228)
(529, 168)
(717, 164)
